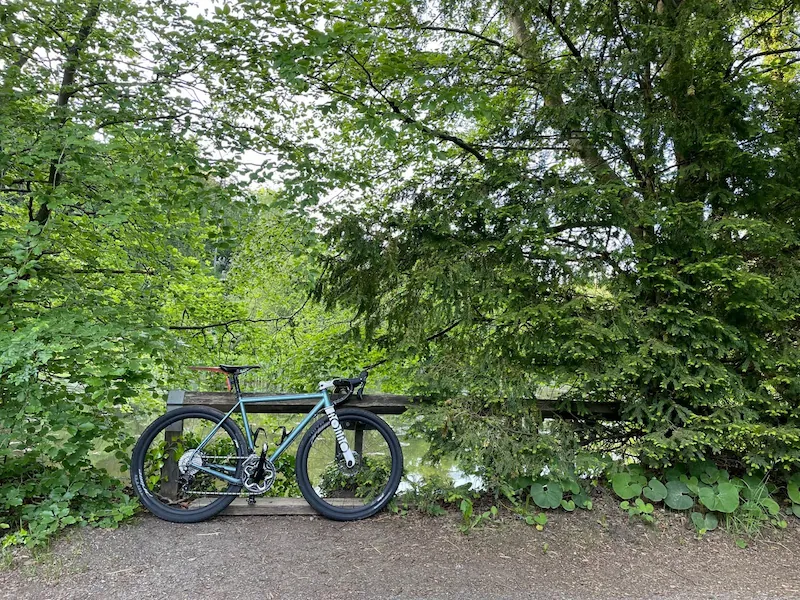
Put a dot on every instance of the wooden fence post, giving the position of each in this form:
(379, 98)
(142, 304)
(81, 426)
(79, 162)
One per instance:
(169, 472)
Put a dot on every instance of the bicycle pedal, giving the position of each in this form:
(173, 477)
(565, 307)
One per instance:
(251, 500)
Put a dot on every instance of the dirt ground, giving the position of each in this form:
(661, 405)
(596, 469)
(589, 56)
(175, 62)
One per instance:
(596, 555)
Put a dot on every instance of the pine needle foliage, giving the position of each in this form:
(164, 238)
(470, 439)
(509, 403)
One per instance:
(600, 197)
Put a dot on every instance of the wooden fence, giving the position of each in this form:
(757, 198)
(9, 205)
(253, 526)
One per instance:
(386, 404)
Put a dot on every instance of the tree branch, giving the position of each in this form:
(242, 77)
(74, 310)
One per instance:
(437, 133)
(226, 323)
(733, 72)
(65, 93)
(578, 144)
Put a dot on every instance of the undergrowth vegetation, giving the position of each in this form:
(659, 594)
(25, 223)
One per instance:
(709, 496)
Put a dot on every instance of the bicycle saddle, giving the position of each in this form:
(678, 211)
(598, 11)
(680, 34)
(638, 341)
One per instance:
(235, 370)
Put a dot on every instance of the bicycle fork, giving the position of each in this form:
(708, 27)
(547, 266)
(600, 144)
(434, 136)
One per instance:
(349, 457)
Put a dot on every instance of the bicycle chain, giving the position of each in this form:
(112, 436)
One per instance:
(199, 493)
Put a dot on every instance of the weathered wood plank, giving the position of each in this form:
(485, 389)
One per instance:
(274, 507)
(387, 404)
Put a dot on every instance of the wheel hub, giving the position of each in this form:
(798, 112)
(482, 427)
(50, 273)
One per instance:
(344, 469)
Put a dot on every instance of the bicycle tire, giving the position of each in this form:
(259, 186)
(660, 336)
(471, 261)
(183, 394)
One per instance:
(338, 513)
(138, 465)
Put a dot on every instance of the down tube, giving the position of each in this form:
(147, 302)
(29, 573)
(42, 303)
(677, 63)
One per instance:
(324, 403)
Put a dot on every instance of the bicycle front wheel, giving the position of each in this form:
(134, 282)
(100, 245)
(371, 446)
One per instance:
(347, 493)
(170, 473)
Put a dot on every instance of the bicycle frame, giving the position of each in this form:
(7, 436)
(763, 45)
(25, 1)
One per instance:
(324, 402)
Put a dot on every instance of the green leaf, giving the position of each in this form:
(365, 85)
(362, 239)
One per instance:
(793, 488)
(678, 497)
(571, 486)
(655, 490)
(568, 505)
(547, 494)
(627, 485)
(707, 522)
(796, 510)
(723, 497)
(770, 505)
(466, 509)
(582, 500)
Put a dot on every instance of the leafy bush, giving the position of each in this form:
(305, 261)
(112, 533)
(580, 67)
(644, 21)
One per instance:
(430, 495)
(65, 387)
(285, 485)
(744, 504)
(370, 479)
(35, 503)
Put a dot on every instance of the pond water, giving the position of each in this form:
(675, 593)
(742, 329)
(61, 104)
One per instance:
(414, 449)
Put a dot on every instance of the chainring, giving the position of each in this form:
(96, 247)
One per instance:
(249, 468)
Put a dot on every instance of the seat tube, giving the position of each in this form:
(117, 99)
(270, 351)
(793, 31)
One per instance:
(238, 392)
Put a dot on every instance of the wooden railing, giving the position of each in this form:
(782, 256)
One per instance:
(385, 404)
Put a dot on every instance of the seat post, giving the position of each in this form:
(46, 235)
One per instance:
(236, 388)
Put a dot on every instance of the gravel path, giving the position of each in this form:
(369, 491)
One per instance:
(593, 555)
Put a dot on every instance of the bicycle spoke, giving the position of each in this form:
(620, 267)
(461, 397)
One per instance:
(173, 464)
(354, 487)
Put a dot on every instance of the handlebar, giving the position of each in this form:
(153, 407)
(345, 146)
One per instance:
(349, 385)
(352, 382)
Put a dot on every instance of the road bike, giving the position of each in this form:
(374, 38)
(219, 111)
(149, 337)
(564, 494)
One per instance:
(191, 463)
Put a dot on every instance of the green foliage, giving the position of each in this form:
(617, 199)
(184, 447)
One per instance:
(538, 520)
(42, 502)
(109, 210)
(678, 497)
(638, 509)
(593, 201)
(285, 485)
(429, 495)
(722, 497)
(628, 485)
(599, 198)
(470, 520)
(746, 504)
(547, 494)
(793, 491)
(704, 522)
(368, 482)
(655, 490)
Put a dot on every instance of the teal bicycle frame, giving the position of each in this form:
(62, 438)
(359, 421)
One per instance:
(324, 402)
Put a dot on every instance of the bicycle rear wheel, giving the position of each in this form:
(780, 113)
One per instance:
(166, 467)
(347, 493)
